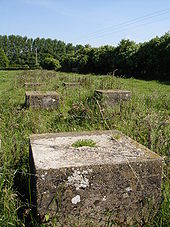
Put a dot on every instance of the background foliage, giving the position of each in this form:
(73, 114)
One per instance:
(148, 60)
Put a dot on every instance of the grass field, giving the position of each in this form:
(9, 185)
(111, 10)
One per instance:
(146, 118)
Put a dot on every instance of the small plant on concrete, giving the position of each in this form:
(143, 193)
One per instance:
(84, 143)
(115, 136)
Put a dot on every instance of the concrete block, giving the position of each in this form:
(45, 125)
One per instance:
(42, 100)
(71, 84)
(111, 97)
(32, 85)
(118, 178)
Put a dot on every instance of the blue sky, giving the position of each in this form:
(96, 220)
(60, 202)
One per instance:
(97, 22)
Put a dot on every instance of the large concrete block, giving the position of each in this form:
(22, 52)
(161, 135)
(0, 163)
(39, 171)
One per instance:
(41, 100)
(111, 97)
(118, 178)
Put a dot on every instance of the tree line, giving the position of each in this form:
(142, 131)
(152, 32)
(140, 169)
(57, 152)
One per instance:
(148, 60)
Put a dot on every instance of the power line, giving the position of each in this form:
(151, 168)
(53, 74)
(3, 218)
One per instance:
(125, 24)
(148, 16)
(116, 31)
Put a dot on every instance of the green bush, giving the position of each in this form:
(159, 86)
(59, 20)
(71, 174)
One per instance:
(51, 64)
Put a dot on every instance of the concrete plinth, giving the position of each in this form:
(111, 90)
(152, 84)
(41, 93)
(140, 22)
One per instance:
(71, 84)
(41, 100)
(117, 179)
(111, 97)
(32, 85)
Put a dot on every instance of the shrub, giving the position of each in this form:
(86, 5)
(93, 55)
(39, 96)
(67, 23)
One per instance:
(51, 64)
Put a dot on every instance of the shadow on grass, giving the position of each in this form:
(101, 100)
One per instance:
(165, 82)
(25, 185)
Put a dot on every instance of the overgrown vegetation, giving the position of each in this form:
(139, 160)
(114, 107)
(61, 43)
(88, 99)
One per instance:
(148, 60)
(145, 118)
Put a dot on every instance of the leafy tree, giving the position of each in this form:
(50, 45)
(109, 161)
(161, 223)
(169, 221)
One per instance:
(70, 48)
(68, 62)
(124, 60)
(78, 47)
(103, 58)
(4, 62)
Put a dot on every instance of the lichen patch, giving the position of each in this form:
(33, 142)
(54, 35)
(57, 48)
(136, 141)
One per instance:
(79, 179)
(76, 199)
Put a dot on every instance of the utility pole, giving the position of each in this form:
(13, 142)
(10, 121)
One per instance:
(36, 60)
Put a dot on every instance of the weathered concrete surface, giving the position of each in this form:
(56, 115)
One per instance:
(32, 85)
(84, 185)
(111, 97)
(41, 100)
(71, 84)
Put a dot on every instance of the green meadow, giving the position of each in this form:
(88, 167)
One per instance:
(145, 118)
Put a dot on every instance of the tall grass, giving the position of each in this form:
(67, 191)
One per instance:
(145, 118)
